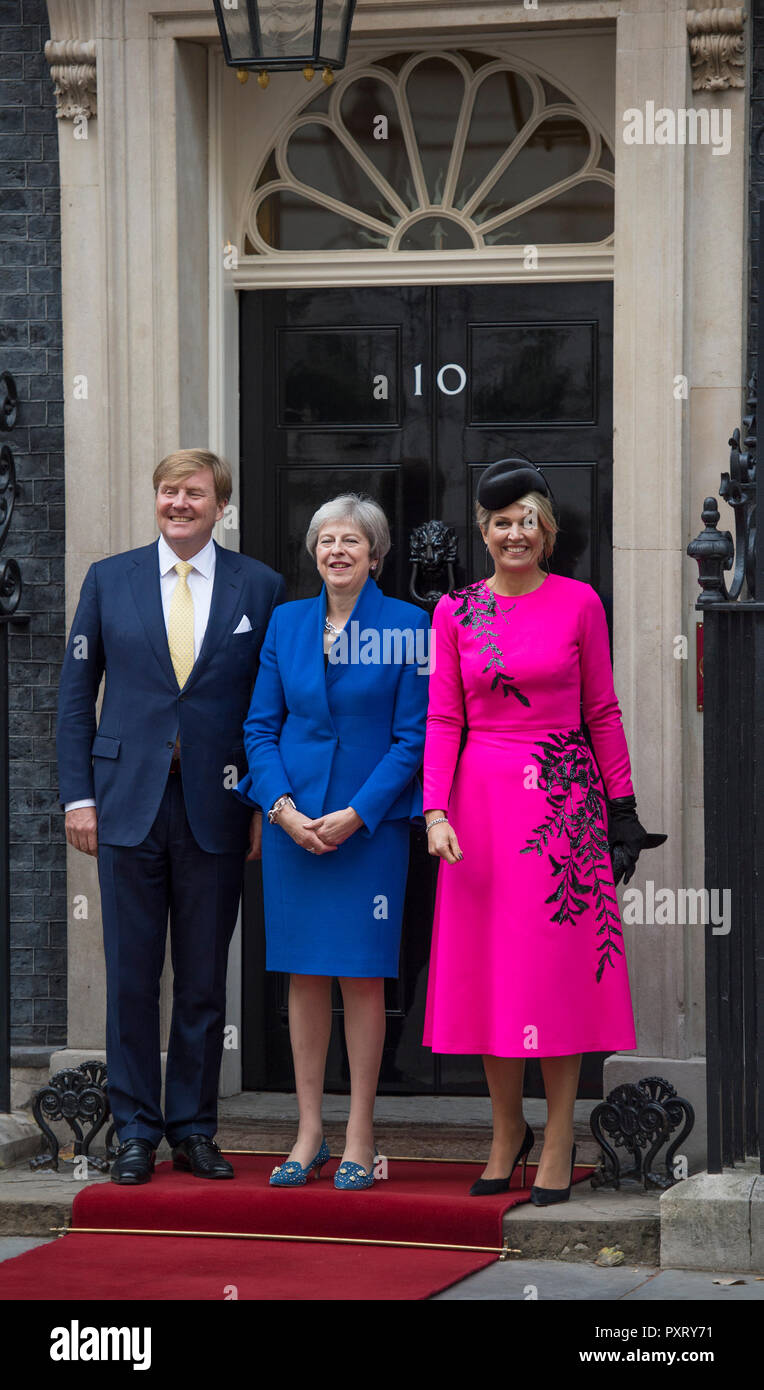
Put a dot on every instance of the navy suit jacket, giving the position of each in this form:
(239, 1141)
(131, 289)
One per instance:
(350, 734)
(119, 631)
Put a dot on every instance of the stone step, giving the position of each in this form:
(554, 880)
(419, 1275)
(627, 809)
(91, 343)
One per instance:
(395, 1139)
(457, 1127)
(419, 1127)
(592, 1220)
(575, 1230)
(37, 1202)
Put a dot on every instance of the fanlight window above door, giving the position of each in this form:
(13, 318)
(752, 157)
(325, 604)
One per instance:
(433, 152)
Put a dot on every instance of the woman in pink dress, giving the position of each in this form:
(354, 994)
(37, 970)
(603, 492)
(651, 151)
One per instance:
(527, 952)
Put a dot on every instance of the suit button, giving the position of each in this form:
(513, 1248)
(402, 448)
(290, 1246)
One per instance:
(170, 745)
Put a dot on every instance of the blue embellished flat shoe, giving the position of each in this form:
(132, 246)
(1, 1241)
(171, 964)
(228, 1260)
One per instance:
(294, 1175)
(350, 1176)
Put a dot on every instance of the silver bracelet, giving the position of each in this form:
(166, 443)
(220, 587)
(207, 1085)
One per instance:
(279, 806)
(442, 820)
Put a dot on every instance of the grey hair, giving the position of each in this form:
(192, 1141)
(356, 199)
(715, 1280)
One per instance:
(365, 513)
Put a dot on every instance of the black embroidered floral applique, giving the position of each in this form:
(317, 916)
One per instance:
(565, 764)
(478, 612)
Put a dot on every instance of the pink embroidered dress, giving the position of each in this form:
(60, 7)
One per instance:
(527, 951)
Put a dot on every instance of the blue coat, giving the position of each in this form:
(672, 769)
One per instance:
(350, 734)
(124, 764)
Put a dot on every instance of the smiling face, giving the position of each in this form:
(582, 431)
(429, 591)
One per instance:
(343, 557)
(515, 538)
(187, 510)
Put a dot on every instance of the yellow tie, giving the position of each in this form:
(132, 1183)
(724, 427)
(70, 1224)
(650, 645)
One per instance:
(180, 626)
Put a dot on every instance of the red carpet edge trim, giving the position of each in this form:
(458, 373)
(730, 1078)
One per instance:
(503, 1251)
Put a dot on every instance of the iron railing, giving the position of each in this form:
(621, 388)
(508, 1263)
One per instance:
(733, 778)
(10, 593)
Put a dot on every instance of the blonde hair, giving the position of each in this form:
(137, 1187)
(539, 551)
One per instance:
(541, 505)
(183, 462)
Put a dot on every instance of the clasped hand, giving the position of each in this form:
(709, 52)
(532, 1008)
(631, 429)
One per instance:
(324, 833)
(443, 844)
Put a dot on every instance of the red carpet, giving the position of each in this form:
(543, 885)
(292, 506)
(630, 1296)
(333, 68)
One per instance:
(418, 1202)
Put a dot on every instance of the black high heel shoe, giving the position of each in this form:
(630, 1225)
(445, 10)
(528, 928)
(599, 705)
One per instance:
(487, 1187)
(545, 1196)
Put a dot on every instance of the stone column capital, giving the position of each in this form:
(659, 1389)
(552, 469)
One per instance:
(717, 48)
(72, 65)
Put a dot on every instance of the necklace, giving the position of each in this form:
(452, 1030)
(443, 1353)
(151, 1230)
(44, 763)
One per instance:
(329, 627)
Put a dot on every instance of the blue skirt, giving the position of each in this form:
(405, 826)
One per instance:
(338, 913)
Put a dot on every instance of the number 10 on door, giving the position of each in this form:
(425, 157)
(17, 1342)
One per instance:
(448, 388)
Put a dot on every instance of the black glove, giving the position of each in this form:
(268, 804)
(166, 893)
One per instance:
(626, 837)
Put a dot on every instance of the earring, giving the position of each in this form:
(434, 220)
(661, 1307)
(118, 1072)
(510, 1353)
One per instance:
(487, 552)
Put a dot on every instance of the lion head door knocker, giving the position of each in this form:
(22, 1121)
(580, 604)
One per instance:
(432, 549)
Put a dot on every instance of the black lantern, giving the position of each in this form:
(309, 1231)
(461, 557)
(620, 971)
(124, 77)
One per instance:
(285, 35)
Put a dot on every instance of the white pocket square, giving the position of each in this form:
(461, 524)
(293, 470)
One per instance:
(244, 626)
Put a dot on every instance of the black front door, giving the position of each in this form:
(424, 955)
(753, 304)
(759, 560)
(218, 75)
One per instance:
(407, 394)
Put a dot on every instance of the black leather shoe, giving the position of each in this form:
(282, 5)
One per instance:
(134, 1162)
(547, 1196)
(201, 1156)
(488, 1187)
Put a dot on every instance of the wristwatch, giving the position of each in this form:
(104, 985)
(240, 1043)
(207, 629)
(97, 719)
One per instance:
(278, 806)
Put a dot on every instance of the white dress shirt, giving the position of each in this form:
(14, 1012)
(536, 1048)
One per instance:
(201, 578)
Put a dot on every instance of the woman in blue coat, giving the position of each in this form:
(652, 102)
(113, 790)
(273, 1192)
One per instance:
(334, 739)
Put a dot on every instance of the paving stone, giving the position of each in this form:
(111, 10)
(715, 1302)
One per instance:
(517, 1280)
(18, 1245)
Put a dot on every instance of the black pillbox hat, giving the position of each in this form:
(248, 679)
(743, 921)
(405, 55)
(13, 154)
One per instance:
(508, 479)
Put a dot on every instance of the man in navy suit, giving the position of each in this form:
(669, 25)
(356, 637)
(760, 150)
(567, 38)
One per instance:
(176, 629)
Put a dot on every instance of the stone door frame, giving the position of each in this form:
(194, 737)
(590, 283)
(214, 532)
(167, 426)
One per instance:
(158, 349)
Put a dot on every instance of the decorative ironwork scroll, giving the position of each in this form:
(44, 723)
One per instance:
(75, 1094)
(637, 1117)
(8, 402)
(10, 574)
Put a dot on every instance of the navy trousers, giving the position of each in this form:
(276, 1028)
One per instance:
(140, 885)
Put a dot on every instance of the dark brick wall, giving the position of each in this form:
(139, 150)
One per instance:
(30, 348)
